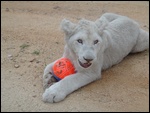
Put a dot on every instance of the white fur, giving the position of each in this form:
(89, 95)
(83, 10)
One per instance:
(117, 37)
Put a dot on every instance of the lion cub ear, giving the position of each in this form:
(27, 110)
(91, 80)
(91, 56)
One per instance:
(68, 27)
(101, 24)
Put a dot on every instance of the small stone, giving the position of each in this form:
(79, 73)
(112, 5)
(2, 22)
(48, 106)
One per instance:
(56, 7)
(57, 42)
(32, 60)
(17, 66)
(34, 96)
(10, 57)
(37, 61)
(7, 9)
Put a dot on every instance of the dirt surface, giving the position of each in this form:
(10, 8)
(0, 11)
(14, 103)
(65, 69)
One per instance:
(31, 39)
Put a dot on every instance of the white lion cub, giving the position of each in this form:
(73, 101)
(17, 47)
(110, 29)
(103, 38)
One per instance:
(92, 47)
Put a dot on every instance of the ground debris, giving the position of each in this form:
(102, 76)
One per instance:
(7, 9)
(16, 66)
(10, 57)
(33, 59)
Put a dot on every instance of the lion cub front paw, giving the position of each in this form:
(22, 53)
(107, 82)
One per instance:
(48, 80)
(54, 94)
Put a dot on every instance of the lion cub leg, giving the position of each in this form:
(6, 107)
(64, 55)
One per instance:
(142, 42)
(48, 78)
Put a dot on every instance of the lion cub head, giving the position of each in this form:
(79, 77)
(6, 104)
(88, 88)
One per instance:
(84, 40)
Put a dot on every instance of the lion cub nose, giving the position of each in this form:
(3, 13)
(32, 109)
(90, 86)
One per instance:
(87, 59)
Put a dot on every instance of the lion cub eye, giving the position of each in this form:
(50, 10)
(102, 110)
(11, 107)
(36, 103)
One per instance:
(96, 41)
(80, 41)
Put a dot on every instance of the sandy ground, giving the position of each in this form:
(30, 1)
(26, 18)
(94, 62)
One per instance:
(31, 39)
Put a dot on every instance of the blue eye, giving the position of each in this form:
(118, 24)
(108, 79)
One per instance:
(80, 41)
(96, 41)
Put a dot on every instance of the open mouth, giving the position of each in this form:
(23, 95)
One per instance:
(85, 65)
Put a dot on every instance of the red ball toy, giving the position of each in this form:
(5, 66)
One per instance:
(62, 68)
